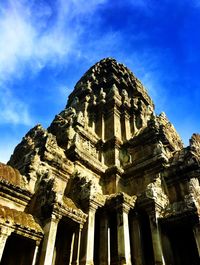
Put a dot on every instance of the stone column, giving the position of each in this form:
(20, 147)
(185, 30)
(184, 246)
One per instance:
(127, 129)
(37, 243)
(117, 123)
(124, 252)
(196, 231)
(87, 252)
(103, 251)
(128, 126)
(137, 240)
(77, 241)
(71, 249)
(4, 234)
(50, 231)
(103, 127)
(156, 242)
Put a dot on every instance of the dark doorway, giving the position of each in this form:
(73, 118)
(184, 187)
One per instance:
(63, 243)
(18, 251)
(113, 238)
(148, 254)
(184, 246)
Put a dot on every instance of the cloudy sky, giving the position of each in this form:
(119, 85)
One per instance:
(47, 45)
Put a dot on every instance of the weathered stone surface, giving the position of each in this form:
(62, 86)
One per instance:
(110, 175)
(12, 176)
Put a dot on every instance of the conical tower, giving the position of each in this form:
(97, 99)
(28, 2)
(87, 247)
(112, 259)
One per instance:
(108, 116)
(113, 100)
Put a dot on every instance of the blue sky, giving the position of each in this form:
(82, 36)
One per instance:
(46, 46)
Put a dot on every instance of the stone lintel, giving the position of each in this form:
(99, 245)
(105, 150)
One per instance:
(88, 134)
(20, 222)
(11, 191)
(145, 137)
(62, 174)
(6, 230)
(121, 202)
(96, 201)
(156, 163)
(180, 174)
(23, 231)
(177, 218)
(76, 215)
(76, 154)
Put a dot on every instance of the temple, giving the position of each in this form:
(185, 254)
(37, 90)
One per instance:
(108, 183)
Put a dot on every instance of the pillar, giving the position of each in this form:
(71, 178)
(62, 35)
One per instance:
(37, 243)
(71, 248)
(103, 127)
(103, 251)
(124, 253)
(87, 248)
(156, 242)
(76, 249)
(50, 231)
(126, 130)
(4, 234)
(128, 126)
(196, 231)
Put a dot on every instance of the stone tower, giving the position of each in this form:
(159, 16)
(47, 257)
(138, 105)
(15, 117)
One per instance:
(108, 183)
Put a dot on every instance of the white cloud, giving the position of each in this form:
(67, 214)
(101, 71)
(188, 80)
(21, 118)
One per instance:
(13, 110)
(33, 35)
(28, 36)
(22, 41)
